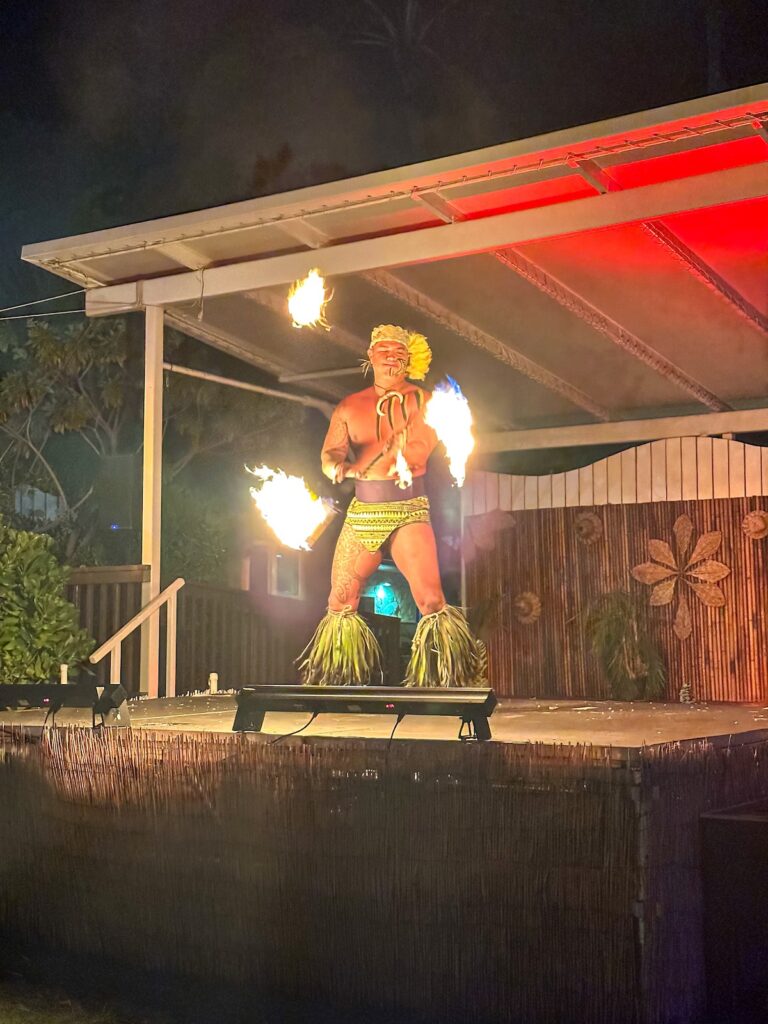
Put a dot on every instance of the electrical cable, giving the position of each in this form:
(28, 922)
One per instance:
(398, 720)
(39, 302)
(295, 731)
(31, 316)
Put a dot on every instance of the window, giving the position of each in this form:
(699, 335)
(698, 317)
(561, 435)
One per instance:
(286, 575)
(29, 501)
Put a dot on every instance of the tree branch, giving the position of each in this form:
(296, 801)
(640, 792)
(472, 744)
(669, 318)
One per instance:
(40, 458)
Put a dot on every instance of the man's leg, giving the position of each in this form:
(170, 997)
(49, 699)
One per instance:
(444, 651)
(415, 554)
(353, 564)
(344, 651)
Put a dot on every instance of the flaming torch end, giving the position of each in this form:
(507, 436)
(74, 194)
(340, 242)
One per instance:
(403, 472)
(295, 515)
(307, 300)
(449, 415)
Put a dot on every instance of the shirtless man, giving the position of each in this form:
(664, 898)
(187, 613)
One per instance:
(368, 430)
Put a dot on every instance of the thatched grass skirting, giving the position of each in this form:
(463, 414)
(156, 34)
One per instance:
(488, 883)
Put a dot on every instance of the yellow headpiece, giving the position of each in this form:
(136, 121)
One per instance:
(419, 352)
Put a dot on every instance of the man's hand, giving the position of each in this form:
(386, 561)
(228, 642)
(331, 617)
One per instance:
(342, 471)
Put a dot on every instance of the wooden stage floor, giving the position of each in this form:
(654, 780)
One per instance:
(599, 723)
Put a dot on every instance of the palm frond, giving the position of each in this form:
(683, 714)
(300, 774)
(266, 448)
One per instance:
(342, 652)
(445, 653)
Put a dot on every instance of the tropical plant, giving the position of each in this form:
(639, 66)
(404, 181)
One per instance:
(618, 634)
(38, 626)
(197, 537)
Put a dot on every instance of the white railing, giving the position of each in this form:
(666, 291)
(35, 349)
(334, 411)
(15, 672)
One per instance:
(114, 646)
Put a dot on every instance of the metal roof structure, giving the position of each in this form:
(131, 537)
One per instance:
(603, 273)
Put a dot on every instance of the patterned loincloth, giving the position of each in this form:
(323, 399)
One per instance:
(373, 522)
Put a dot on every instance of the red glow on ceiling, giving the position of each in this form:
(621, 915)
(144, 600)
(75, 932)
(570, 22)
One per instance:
(739, 153)
(740, 228)
(525, 197)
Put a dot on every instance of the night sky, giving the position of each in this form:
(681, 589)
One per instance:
(120, 110)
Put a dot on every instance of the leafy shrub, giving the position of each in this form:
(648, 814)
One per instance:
(197, 537)
(38, 626)
(618, 635)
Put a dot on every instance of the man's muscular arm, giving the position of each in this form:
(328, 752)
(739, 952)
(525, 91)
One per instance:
(336, 447)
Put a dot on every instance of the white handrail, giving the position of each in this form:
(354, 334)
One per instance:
(114, 645)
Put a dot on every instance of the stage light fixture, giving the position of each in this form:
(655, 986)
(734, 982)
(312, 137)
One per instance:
(108, 702)
(472, 706)
(111, 705)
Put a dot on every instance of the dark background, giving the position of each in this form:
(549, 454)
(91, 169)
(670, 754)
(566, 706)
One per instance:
(114, 111)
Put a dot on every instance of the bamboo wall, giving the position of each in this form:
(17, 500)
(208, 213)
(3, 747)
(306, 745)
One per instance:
(492, 883)
(548, 546)
(465, 884)
(725, 658)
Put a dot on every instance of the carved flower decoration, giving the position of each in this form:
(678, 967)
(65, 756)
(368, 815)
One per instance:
(755, 524)
(698, 571)
(527, 607)
(589, 528)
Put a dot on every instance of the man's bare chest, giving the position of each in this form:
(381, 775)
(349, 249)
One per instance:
(382, 416)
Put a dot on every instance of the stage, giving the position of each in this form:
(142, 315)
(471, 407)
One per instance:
(575, 832)
(595, 723)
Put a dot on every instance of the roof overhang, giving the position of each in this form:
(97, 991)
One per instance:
(590, 274)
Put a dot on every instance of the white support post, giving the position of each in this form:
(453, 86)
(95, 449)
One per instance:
(170, 646)
(151, 493)
(115, 664)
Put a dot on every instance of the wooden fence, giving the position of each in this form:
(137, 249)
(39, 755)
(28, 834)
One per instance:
(106, 597)
(219, 630)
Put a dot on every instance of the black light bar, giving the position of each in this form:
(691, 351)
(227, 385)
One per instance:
(473, 706)
(108, 702)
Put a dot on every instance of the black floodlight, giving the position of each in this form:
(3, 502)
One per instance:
(108, 702)
(472, 706)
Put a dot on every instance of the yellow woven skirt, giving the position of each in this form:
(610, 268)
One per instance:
(374, 521)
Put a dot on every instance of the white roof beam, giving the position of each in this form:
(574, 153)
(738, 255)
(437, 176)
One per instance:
(743, 421)
(223, 340)
(449, 240)
(496, 348)
(184, 254)
(699, 268)
(594, 175)
(600, 179)
(710, 115)
(760, 125)
(292, 378)
(186, 371)
(576, 304)
(235, 346)
(301, 230)
(439, 205)
(601, 322)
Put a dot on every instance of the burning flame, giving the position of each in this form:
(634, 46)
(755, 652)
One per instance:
(403, 471)
(307, 300)
(295, 515)
(449, 415)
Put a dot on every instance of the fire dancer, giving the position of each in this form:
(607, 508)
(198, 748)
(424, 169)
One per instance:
(379, 438)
